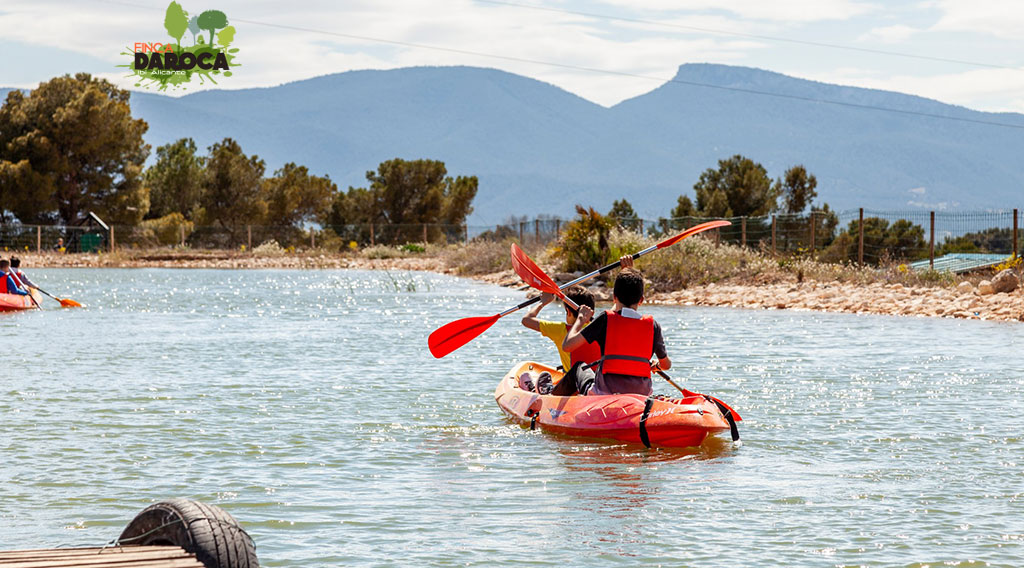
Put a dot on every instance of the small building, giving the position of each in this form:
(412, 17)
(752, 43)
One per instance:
(90, 236)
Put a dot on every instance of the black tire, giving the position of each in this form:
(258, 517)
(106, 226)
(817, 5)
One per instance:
(207, 531)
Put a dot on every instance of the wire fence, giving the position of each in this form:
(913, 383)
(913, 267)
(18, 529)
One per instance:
(860, 235)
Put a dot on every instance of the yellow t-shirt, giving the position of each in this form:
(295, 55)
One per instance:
(556, 332)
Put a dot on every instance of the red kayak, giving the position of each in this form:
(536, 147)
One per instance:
(655, 421)
(16, 302)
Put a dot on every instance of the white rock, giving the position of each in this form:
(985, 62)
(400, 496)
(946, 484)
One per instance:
(1005, 281)
(985, 288)
(965, 287)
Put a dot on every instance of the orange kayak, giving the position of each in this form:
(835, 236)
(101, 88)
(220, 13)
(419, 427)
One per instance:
(655, 421)
(15, 302)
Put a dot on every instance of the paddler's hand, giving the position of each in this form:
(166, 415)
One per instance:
(546, 298)
(627, 261)
(586, 313)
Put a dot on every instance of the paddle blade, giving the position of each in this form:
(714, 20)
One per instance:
(693, 231)
(66, 303)
(735, 415)
(451, 336)
(531, 273)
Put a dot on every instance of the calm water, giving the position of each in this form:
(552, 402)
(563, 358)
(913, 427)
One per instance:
(306, 404)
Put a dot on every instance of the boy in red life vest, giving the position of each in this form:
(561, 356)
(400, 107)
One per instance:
(556, 332)
(627, 340)
(9, 283)
(16, 269)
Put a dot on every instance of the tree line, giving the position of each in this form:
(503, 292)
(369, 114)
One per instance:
(72, 146)
(741, 187)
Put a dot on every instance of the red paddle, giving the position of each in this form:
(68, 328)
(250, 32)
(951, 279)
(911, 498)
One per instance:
(730, 415)
(535, 276)
(451, 336)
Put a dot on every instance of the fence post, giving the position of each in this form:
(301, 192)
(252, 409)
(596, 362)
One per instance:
(465, 229)
(113, 243)
(1015, 234)
(641, 227)
(860, 238)
(39, 235)
(424, 233)
(248, 229)
(813, 226)
(372, 243)
(558, 229)
(312, 239)
(743, 232)
(536, 230)
(931, 243)
(773, 235)
(182, 228)
(521, 223)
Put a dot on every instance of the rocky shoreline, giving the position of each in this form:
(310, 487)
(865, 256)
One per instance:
(1001, 299)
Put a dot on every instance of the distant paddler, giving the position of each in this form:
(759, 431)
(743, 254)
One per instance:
(11, 284)
(16, 269)
(21, 280)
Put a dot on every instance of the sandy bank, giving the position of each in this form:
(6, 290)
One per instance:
(229, 260)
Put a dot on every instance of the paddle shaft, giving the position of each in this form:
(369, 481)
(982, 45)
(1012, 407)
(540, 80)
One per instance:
(669, 379)
(725, 410)
(583, 278)
(47, 293)
(20, 285)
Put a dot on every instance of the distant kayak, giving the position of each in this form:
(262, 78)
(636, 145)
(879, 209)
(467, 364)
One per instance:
(655, 421)
(15, 302)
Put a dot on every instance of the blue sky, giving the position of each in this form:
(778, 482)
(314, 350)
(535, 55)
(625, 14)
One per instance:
(43, 38)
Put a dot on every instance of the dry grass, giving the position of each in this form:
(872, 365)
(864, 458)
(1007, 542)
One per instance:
(699, 261)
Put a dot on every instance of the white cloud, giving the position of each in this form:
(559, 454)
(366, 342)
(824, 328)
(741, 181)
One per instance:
(1004, 18)
(917, 190)
(777, 10)
(273, 55)
(889, 34)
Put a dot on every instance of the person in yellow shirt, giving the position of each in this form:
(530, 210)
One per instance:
(556, 332)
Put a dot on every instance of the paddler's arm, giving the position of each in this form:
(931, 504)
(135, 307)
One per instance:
(12, 286)
(574, 338)
(531, 320)
(663, 363)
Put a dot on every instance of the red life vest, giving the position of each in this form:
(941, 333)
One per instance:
(628, 345)
(588, 353)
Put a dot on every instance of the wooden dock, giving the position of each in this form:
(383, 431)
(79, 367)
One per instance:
(112, 557)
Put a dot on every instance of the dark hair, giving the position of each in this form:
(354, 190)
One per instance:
(4, 263)
(15, 262)
(581, 296)
(629, 286)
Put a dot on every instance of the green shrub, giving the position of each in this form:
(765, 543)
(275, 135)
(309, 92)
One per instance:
(584, 246)
(167, 230)
(382, 251)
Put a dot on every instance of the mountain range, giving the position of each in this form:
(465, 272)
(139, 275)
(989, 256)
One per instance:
(539, 149)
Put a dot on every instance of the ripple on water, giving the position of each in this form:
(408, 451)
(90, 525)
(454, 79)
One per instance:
(305, 403)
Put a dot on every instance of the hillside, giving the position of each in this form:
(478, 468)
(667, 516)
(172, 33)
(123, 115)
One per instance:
(539, 149)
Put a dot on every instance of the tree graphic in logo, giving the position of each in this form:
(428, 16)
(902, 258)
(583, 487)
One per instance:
(164, 65)
(212, 20)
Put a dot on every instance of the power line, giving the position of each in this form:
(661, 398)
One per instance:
(601, 71)
(744, 35)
